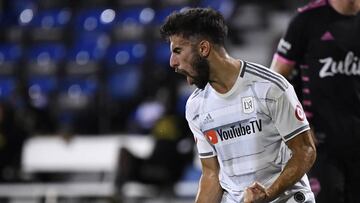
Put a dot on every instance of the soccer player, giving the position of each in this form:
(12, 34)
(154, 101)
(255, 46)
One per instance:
(331, 92)
(251, 133)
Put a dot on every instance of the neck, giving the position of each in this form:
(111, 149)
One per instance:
(344, 7)
(224, 71)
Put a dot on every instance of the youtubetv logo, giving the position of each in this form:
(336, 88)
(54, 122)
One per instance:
(233, 131)
(239, 130)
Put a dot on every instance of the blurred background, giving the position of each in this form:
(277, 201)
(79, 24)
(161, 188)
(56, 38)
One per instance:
(90, 110)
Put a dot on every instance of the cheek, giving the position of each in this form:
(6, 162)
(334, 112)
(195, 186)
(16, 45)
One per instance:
(188, 65)
(185, 62)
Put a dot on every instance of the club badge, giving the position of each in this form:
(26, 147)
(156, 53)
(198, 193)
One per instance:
(299, 113)
(248, 104)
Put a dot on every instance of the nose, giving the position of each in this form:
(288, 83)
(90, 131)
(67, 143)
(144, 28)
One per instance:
(173, 61)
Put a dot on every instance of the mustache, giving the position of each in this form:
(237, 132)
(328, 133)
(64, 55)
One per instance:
(182, 72)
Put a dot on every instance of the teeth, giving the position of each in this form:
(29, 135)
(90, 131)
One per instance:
(176, 70)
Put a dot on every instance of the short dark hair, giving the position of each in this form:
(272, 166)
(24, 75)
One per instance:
(203, 22)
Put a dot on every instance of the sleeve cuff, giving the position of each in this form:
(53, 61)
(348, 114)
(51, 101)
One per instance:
(296, 132)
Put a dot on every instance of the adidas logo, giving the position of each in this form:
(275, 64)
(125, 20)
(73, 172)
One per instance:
(327, 36)
(208, 119)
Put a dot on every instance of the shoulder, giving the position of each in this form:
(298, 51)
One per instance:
(313, 6)
(310, 12)
(193, 104)
(265, 80)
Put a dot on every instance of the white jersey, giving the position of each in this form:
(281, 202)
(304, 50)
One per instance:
(246, 128)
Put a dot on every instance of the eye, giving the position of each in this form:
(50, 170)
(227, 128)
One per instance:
(177, 50)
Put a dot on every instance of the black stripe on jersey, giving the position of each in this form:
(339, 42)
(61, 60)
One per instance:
(295, 132)
(206, 154)
(196, 92)
(268, 73)
(266, 78)
(195, 117)
(243, 69)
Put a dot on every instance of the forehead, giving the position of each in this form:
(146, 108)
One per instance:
(178, 41)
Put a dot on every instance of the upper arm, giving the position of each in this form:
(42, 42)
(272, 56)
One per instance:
(303, 145)
(292, 46)
(210, 166)
(283, 67)
(209, 188)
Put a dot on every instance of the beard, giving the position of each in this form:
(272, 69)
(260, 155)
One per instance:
(202, 68)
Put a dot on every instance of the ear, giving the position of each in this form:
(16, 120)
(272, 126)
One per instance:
(204, 48)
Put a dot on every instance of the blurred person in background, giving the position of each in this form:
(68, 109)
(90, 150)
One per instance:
(252, 136)
(12, 138)
(173, 152)
(317, 44)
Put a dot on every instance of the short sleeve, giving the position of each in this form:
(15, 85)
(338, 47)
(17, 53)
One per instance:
(292, 45)
(204, 147)
(288, 115)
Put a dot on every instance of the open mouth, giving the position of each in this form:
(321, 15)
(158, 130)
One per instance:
(182, 72)
(189, 78)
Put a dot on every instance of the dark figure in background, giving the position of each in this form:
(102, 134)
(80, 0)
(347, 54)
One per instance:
(12, 137)
(173, 151)
(325, 56)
